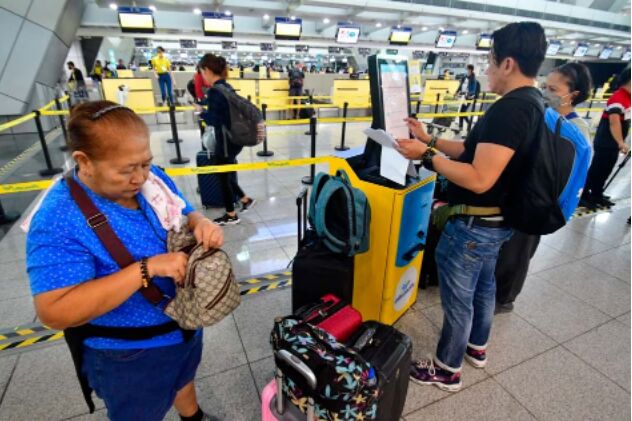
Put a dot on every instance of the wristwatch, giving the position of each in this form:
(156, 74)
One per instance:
(426, 159)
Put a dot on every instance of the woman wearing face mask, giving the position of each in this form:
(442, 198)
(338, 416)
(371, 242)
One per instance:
(566, 86)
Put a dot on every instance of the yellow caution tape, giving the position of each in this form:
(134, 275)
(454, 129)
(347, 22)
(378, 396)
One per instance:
(177, 172)
(17, 121)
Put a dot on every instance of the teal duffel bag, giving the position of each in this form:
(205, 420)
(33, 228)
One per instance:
(340, 214)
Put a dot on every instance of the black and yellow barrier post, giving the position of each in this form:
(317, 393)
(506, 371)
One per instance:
(470, 119)
(174, 136)
(50, 170)
(343, 135)
(437, 104)
(309, 180)
(265, 152)
(62, 123)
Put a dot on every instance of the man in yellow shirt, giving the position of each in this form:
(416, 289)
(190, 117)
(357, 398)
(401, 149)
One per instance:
(162, 70)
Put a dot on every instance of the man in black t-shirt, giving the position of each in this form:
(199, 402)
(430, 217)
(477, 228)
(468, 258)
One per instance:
(480, 171)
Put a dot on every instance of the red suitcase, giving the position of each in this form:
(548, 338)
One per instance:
(332, 315)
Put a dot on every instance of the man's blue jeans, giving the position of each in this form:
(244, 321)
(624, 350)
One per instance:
(466, 260)
(164, 81)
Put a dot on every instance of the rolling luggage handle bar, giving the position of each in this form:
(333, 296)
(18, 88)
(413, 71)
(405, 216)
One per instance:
(303, 370)
(301, 204)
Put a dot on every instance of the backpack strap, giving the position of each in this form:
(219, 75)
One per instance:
(103, 230)
(321, 227)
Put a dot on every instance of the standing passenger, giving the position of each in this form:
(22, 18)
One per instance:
(566, 87)
(162, 70)
(217, 115)
(609, 142)
(481, 172)
(79, 287)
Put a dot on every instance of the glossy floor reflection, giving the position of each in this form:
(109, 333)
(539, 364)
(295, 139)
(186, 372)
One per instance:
(564, 353)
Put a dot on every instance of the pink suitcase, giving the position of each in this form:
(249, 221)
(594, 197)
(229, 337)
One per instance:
(274, 409)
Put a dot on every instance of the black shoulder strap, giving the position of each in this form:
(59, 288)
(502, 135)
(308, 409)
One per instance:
(112, 243)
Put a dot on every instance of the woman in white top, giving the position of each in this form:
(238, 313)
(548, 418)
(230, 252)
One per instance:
(566, 87)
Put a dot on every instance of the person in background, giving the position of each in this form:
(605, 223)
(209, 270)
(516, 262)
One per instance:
(182, 68)
(217, 115)
(313, 69)
(76, 282)
(566, 87)
(200, 84)
(609, 142)
(296, 77)
(121, 65)
(481, 172)
(446, 74)
(110, 70)
(97, 71)
(469, 89)
(162, 71)
(76, 83)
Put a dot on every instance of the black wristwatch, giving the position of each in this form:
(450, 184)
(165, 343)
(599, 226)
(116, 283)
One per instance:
(426, 159)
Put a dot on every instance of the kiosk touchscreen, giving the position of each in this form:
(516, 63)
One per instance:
(390, 105)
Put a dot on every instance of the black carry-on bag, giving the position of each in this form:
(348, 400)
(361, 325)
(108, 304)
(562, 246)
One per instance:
(389, 351)
(317, 271)
(209, 185)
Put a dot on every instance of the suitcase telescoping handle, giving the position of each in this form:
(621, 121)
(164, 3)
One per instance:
(304, 371)
(301, 205)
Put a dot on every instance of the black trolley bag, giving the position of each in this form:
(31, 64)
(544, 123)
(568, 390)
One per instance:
(389, 351)
(209, 185)
(317, 271)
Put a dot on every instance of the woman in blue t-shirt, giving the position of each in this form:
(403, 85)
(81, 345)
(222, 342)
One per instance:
(75, 280)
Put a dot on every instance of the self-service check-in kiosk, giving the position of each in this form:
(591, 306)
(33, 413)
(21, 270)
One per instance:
(386, 276)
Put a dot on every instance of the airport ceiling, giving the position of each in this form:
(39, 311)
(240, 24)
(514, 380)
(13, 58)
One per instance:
(588, 20)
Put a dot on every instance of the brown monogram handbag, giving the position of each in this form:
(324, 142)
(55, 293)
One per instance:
(209, 292)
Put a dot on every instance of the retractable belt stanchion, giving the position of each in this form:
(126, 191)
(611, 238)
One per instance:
(437, 104)
(343, 135)
(418, 105)
(311, 102)
(174, 133)
(7, 217)
(470, 120)
(50, 170)
(265, 151)
(591, 103)
(62, 123)
(174, 129)
(480, 108)
(312, 169)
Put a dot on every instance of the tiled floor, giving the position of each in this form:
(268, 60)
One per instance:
(563, 354)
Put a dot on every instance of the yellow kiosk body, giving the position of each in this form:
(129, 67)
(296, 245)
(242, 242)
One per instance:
(386, 277)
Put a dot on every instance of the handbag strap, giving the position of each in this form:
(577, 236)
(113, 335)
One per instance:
(112, 243)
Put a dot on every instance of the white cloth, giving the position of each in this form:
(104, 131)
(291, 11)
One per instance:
(166, 204)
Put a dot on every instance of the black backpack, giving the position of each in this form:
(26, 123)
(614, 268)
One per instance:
(191, 88)
(556, 164)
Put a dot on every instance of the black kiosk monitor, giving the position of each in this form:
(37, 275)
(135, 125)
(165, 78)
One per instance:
(390, 105)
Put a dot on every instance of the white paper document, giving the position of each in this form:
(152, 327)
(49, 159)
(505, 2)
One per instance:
(393, 165)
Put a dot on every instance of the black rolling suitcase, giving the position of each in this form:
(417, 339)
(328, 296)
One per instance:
(316, 270)
(389, 351)
(209, 185)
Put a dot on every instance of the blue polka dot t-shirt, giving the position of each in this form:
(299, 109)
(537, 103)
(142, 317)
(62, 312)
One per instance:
(62, 250)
